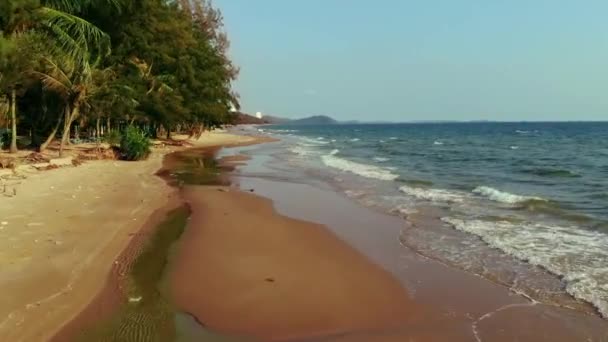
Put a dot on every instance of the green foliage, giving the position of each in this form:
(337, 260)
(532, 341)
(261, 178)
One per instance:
(5, 138)
(158, 64)
(134, 144)
(113, 138)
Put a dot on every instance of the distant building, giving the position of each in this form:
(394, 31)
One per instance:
(259, 115)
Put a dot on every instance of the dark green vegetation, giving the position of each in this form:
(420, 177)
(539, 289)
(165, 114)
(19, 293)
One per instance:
(147, 315)
(134, 144)
(81, 69)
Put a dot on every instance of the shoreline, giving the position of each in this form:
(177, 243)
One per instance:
(253, 254)
(243, 269)
(66, 227)
(479, 309)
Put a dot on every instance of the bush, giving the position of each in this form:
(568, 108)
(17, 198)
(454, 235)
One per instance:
(134, 144)
(5, 138)
(113, 138)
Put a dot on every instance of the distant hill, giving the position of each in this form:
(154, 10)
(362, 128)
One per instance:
(275, 120)
(313, 120)
(246, 119)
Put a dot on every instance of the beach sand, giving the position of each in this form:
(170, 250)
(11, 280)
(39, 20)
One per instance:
(245, 266)
(62, 232)
(244, 270)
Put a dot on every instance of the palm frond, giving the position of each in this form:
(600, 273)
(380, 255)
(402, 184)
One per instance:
(77, 37)
(59, 73)
(73, 6)
(53, 84)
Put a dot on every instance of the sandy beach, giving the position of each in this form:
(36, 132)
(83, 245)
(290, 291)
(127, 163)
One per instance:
(243, 269)
(259, 259)
(62, 232)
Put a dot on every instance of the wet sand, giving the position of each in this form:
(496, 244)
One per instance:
(244, 270)
(62, 232)
(459, 306)
(306, 264)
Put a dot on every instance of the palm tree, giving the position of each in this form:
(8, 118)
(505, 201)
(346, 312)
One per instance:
(73, 37)
(71, 82)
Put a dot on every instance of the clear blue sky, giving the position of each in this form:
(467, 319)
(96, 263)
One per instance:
(420, 60)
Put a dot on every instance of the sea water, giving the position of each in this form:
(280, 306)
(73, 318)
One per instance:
(512, 200)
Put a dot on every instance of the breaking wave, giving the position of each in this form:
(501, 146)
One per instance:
(577, 255)
(433, 195)
(364, 170)
(504, 197)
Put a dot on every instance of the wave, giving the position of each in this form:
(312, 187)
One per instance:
(505, 197)
(355, 193)
(417, 182)
(284, 130)
(301, 151)
(577, 255)
(433, 195)
(355, 140)
(364, 170)
(545, 172)
(381, 159)
(438, 143)
(317, 142)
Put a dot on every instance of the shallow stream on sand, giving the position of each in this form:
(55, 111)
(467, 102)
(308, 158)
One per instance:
(146, 313)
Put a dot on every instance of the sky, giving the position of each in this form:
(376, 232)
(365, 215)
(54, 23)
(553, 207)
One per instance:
(401, 60)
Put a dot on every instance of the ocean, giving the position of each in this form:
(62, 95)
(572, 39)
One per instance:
(522, 204)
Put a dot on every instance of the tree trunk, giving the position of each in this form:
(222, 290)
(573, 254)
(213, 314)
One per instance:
(51, 137)
(200, 131)
(13, 105)
(108, 125)
(98, 128)
(69, 118)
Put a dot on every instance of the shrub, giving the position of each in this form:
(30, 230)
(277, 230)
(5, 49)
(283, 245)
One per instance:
(134, 144)
(5, 138)
(113, 138)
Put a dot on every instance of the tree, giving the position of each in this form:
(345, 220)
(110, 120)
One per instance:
(169, 67)
(74, 38)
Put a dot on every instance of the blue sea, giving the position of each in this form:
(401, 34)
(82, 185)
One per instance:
(523, 204)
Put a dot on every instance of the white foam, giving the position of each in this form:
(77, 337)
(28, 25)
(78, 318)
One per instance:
(404, 210)
(393, 138)
(438, 143)
(354, 193)
(364, 170)
(502, 196)
(285, 130)
(355, 140)
(514, 147)
(381, 159)
(301, 151)
(433, 195)
(316, 142)
(579, 256)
